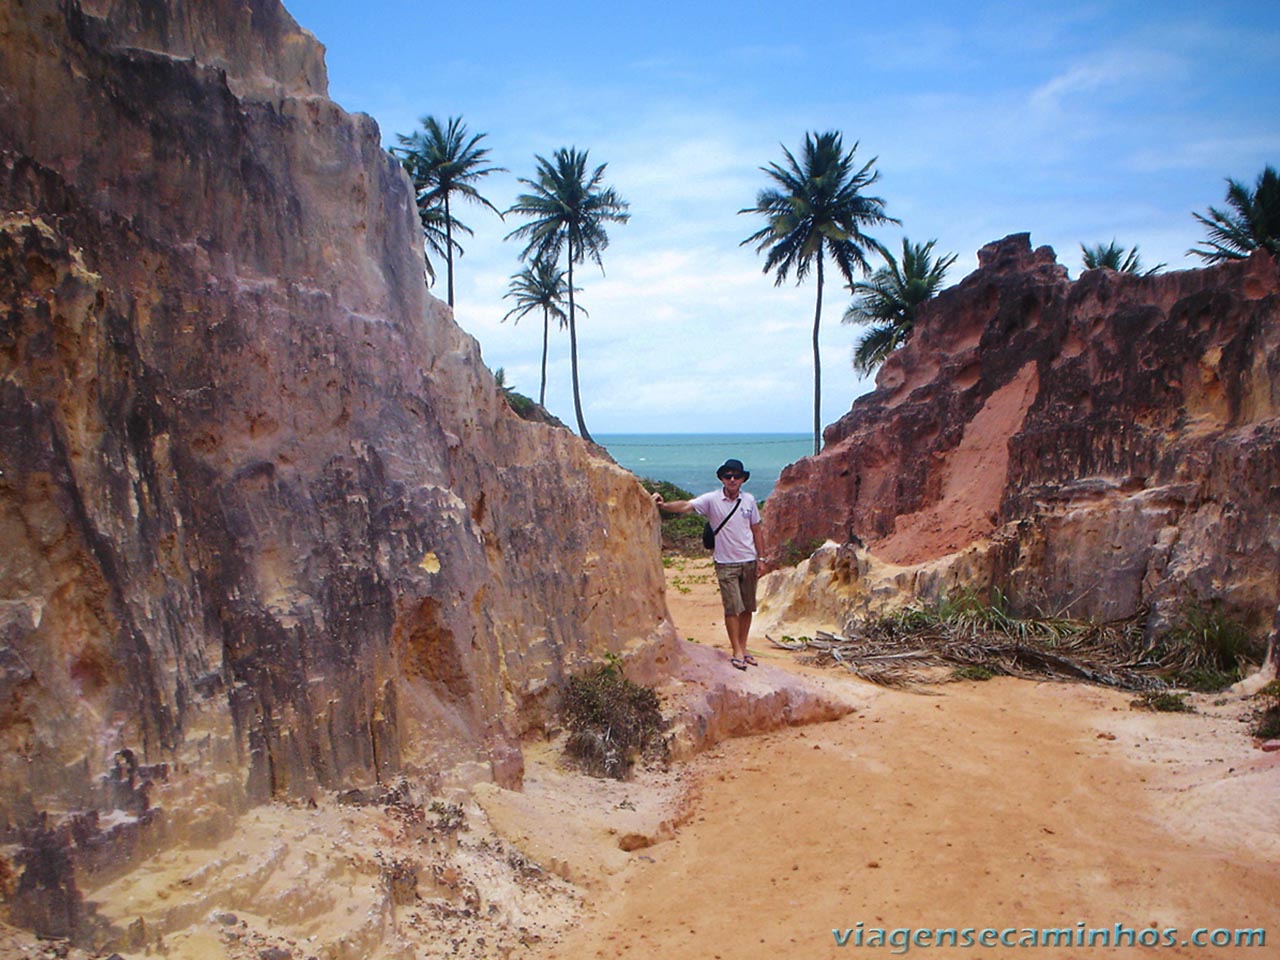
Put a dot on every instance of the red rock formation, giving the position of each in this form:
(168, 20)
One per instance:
(267, 522)
(1108, 443)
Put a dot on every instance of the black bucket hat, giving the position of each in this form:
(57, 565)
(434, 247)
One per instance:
(733, 466)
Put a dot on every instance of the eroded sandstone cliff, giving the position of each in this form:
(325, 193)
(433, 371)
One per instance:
(1097, 447)
(267, 524)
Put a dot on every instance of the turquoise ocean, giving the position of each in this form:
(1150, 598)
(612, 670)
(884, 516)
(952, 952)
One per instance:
(689, 460)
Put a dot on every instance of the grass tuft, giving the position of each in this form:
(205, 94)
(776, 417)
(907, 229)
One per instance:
(1162, 701)
(1205, 647)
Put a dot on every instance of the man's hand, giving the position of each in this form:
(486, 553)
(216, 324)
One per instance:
(657, 498)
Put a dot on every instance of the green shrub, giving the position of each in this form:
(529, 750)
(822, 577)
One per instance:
(1206, 679)
(793, 554)
(612, 721)
(523, 406)
(1205, 646)
(681, 532)
(1163, 702)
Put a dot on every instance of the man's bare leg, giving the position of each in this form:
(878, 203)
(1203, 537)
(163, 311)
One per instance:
(737, 627)
(744, 629)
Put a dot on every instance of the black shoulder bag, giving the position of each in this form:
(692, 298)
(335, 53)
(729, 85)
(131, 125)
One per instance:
(709, 535)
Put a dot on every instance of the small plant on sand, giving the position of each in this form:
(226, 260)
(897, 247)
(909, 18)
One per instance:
(974, 671)
(612, 721)
(1163, 701)
(1266, 722)
(450, 817)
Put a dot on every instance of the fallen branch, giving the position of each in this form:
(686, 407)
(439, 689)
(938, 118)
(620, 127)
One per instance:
(895, 650)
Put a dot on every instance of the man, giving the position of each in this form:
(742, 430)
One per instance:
(739, 548)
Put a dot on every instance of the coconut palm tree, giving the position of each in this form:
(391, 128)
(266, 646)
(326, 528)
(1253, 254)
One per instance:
(444, 161)
(1252, 223)
(890, 300)
(816, 208)
(568, 208)
(541, 285)
(1115, 257)
(436, 240)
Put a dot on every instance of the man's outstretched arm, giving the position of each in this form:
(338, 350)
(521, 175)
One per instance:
(675, 506)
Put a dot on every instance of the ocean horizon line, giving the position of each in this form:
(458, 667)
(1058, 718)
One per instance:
(689, 460)
(753, 436)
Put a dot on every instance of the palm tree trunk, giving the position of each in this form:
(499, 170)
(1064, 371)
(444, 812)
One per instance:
(546, 333)
(448, 245)
(817, 365)
(573, 355)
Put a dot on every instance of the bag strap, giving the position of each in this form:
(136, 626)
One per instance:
(737, 503)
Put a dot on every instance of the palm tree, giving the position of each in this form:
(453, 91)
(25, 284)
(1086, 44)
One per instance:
(1253, 223)
(541, 285)
(816, 207)
(890, 300)
(568, 208)
(436, 239)
(443, 162)
(1115, 257)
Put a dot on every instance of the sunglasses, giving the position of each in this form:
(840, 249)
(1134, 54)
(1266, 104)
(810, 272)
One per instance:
(732, 476)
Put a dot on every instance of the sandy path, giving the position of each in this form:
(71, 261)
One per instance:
(1005, 804)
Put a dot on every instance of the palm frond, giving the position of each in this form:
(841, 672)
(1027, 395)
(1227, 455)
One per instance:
(1252, 221)
(891, 298)
(874, 346)
(1115, 257)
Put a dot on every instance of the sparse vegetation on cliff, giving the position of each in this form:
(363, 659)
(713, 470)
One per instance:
(792, 553)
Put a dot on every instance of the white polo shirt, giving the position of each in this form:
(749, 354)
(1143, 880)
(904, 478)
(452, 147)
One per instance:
(734, 542)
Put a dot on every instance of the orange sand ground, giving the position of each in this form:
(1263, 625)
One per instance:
(999, 804)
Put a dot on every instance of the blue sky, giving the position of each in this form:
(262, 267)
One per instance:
(1080, 122)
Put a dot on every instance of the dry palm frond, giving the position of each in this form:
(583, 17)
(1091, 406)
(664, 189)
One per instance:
(894, 650)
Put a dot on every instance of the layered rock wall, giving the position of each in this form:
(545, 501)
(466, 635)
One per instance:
(267, 522)
(1095, 447)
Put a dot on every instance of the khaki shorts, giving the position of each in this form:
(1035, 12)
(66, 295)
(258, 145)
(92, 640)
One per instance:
(737, 587)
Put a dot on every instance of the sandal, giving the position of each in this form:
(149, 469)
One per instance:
(750, 661)
(741, 665)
